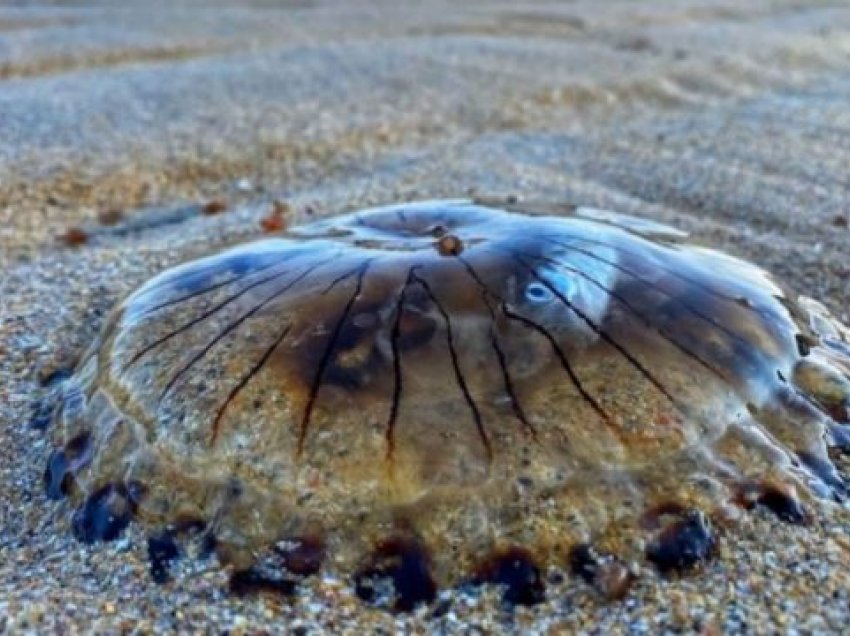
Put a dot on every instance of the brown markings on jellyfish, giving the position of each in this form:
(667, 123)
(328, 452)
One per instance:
(605, 573)
(303, 556)
(232, 326)
(244, 381)
(199, 290)
(629, 306)
(316, 384)
(395, 336)
(500, 354)
(203, 316)
(682, 543)
(397, 575)
(536, 327)
(543, 293)
(514, 570)
(689, 282)
(533, 381)
(696, 283)
(459, 377)
(565, 364)
(600, 331)
(63, 465)
(264, 358)
(674, 300)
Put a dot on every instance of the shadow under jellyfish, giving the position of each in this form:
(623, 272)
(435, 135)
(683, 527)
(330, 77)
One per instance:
(447, 391)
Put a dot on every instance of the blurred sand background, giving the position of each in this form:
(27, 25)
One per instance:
(730, 120)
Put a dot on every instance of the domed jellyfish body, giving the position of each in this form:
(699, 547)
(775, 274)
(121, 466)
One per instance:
(456, 380)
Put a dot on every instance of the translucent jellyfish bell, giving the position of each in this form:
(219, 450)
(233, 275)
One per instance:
(459, 385)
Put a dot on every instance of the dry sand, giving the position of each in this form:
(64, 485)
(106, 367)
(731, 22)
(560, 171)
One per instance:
(727, 119)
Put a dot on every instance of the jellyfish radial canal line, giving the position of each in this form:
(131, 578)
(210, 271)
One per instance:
(430, 384)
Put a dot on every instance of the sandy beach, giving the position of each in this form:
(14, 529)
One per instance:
(128, 122)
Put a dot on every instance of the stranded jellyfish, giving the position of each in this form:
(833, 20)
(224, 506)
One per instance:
(441, 392)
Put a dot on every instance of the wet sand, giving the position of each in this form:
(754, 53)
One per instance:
(726, 120)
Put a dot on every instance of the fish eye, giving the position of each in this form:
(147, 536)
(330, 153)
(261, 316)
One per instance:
(537, 292)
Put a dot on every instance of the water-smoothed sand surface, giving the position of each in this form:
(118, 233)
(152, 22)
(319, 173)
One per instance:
(726, 120)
